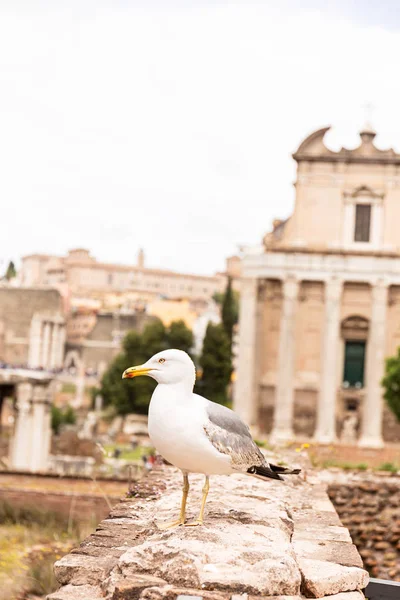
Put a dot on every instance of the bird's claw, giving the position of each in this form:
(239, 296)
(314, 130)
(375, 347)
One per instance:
(195, 523)
(170, 525)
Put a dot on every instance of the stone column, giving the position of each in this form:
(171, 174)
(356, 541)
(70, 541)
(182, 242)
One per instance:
(20, 450)
(371, 428)
(44, 359)
(35, 340)
(284, 394)
(325, 431)
(54, 345)
(61, 347)
(80, 386)
(245, 401)
(40, 448)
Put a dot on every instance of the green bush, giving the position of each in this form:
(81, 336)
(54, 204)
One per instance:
(391, 384)
(388, 466)
(61, 417)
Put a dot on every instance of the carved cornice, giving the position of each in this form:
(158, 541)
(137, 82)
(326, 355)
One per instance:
(313, 149)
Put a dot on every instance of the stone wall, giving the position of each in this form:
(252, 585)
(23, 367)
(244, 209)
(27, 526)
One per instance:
(103, 343)
(17, 307)
(369, 506)
(80, 499)
(305, 415)
(79, 508)
(261, 539)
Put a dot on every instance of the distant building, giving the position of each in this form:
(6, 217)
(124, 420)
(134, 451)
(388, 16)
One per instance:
(94, 338)
(79, 273)
(32, 328)
(320, 301)
(172, 310)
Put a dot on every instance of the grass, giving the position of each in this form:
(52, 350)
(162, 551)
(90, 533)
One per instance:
(127, 452)
(68, 388)
(388, 466)
(31, 540)
(346, 466)
(264, 444)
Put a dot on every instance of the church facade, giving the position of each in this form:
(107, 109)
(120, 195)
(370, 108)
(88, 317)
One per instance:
(320, 301)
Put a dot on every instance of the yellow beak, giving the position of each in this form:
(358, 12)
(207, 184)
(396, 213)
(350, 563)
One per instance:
(135, 372)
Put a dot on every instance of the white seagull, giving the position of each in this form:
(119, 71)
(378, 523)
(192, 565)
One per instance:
(194, 434)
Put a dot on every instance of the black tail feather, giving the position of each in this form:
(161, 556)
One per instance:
(284, 470)
(264, 472)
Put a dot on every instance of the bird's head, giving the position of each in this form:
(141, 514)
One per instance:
(168, 366)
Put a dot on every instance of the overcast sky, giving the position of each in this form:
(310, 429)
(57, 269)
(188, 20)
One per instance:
(170, 124)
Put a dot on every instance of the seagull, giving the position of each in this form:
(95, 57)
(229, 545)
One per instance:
(195, 434)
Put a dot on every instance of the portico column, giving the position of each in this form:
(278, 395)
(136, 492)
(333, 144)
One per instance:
(61, 344)
(40, 429)
(45, 345)
(371, 428)
(20, 449)
(35, 338)
(245, 401)
(284, 396)
(54, 345)
(325, 431)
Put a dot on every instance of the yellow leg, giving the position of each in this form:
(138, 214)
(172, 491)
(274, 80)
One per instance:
(182, 514)
(199, 520)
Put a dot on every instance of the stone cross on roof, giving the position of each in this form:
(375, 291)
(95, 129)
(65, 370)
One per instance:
(368, 108)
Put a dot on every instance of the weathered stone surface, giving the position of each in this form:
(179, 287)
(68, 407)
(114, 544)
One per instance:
(76, 592)
(326, 518)
(170, 592)
(321, 578)
(255, 544)
(79, 569)
(120, 587)
(307, 531)
(245, 546)
(341, 553)
(346, 596)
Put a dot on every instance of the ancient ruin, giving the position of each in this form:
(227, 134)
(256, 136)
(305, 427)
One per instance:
(262, 540)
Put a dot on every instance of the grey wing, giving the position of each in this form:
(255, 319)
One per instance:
(229, 435)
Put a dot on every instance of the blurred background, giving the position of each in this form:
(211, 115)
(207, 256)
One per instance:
(220, 177)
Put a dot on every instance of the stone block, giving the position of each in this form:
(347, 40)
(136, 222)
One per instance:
(80, 569)
(306, 531)
(169, 592)
(357, 595)
(76, 592)
(324, 518)
(322, 578)
(120, 587)
(242, 558)
(341, 553)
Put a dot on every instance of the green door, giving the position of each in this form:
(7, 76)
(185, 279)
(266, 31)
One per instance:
(354, 358)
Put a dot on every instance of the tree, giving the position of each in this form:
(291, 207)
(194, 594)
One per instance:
(11, 271)
(229, 311)
(391, 384)
(133, 395)
(179, 336)
(216, 364)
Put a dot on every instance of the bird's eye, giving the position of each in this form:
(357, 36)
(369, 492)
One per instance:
(161, 360)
